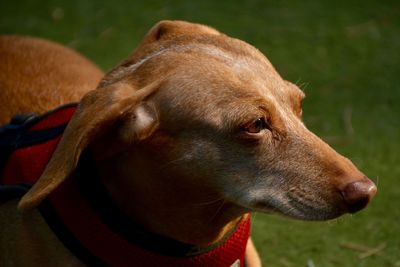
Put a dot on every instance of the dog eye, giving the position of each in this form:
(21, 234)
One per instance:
(257, 126)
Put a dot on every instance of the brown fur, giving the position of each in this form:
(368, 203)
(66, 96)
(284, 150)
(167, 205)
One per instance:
(34, 64)
(180, 118)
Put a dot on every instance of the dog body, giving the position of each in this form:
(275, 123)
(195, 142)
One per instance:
(32, 79)
(37, 76)
(199, 129)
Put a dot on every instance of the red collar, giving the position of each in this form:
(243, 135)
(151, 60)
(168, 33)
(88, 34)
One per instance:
(101, 238)
(110, 247)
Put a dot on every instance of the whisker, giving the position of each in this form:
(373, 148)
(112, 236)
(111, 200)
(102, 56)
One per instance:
(218, 211)
(208, 202)
(302, 85)
(171, 162)
(253, 216)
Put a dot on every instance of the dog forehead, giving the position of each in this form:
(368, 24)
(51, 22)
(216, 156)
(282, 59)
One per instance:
(212, 75)
(239, 54)
(200, 93)
(209, 71)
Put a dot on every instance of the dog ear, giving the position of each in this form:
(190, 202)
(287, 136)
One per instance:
(98, 112)
(169, 29)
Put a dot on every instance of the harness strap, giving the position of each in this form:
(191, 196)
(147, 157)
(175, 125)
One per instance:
(24, 134)
(10, 135)
(17, 134)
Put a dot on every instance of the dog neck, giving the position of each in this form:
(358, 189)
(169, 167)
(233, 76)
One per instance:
(168, 205)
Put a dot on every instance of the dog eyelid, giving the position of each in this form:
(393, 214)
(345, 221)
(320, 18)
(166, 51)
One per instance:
(257, 126)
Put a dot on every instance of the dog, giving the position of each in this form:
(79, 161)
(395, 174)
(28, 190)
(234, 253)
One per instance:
(187, 136)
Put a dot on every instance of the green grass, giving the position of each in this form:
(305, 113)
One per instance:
(347, 53)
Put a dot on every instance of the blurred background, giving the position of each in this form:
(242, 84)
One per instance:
(345, 55)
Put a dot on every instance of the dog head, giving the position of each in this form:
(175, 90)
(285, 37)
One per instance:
(211, 110)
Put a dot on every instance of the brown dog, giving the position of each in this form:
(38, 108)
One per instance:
(188, 135)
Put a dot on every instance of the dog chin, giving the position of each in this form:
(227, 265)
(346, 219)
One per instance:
(297, 211)
(316, 215)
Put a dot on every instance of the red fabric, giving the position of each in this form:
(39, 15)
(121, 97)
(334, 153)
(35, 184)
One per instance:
(26, 165)
(95, 235)
(57, 118)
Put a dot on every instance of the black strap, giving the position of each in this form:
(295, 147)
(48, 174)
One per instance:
(8, 192)
(102, 204)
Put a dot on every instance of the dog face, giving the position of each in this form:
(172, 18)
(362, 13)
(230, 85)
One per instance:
(230, 121)
(214, 112)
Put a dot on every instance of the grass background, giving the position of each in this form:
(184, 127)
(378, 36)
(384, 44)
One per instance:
(345, 53)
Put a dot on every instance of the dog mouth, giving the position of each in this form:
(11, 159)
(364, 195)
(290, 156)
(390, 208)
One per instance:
(298, 209)
(307, 211)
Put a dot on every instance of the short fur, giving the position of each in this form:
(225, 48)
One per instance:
(33, 80)
(200, 129)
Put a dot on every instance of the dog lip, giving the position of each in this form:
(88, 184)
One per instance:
(359, 205)
(312, 213)
(298, 210)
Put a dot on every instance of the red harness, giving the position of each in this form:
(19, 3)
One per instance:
(100, 236)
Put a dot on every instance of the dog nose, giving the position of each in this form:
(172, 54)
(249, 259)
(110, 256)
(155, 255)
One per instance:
(357, 194)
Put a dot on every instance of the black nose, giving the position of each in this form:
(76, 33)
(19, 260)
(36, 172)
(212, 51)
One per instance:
(357, 194)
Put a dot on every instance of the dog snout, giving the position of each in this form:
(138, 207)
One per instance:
(357, 194)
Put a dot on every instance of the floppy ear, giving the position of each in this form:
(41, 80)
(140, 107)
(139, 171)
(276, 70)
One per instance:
(168, 29)
(98, 111)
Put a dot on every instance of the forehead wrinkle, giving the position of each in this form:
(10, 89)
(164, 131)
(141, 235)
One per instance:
(239, 63)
